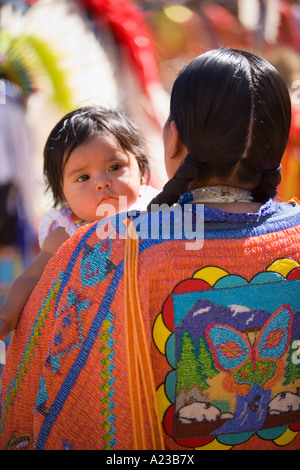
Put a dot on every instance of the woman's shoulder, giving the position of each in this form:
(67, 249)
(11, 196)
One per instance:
(109, 235)
(272, 217)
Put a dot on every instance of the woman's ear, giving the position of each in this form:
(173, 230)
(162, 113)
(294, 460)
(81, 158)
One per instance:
(173, 143)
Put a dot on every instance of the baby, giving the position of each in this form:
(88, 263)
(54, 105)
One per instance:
(92, 156)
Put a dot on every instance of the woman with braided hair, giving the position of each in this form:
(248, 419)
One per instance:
(136, 342)
(230, 119)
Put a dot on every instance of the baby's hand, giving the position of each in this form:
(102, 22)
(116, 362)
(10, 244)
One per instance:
(8, 320)
(4, 330)
(19, 293)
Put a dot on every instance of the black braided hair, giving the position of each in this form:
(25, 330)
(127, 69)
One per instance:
(178, 185)
(267, 187)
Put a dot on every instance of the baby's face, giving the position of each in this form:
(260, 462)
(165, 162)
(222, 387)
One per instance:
(99, 172)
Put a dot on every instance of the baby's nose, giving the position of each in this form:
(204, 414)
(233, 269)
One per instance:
(103, 182)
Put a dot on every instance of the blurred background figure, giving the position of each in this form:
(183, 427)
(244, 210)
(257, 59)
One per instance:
(287, 61)
(269, 28)
(17, 221)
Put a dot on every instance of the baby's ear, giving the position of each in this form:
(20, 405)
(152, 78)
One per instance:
(173, 141)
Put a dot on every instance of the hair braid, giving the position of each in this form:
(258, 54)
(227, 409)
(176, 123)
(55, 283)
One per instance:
(178, 185)
(267, 187)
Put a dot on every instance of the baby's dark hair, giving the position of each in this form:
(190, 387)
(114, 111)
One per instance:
(78, 127)
(232, 110)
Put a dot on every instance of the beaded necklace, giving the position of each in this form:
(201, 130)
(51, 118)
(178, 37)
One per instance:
(220, 193)
(78, 222)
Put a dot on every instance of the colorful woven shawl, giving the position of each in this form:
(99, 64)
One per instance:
(218, 328)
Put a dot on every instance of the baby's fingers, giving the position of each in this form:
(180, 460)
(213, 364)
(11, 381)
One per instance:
(4, 330)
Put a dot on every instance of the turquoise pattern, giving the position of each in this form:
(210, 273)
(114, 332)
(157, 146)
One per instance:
(96, 263)
(70, 316)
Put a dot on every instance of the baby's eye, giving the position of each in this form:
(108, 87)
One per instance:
(83, 178)
(115, 167)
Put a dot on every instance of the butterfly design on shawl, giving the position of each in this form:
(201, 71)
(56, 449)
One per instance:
(246, 363)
